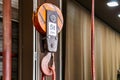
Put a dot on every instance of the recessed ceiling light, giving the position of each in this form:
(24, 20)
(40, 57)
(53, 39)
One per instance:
(119, 15)
(112, 3)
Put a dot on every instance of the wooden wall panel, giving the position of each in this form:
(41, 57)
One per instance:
(25, 40)
(78, 46)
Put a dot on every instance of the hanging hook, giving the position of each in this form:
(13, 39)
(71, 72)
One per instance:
(45, 64)
(48, 66)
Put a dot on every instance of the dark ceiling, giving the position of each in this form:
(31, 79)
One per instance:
(103, 12)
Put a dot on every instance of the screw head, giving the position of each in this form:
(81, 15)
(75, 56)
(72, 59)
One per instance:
(53, 18)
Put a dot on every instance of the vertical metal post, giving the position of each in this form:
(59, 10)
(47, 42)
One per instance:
(7, 40)
(60, 53)
(92, 41)
(36, 55)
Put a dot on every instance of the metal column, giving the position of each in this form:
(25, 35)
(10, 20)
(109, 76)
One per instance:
(36, 55)
(93, 41)
(7, 40)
